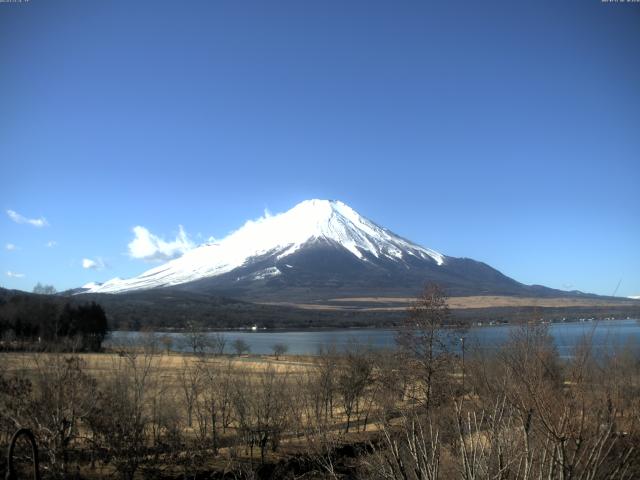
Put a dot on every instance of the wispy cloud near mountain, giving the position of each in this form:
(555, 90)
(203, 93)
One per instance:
(150, 247)
(89, 264)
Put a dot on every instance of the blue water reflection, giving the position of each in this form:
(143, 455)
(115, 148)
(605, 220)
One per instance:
(606, 335)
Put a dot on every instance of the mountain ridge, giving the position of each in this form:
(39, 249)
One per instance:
(319, 249)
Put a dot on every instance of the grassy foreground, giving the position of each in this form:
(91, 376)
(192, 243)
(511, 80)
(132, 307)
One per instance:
(239, 411)
(419, 412)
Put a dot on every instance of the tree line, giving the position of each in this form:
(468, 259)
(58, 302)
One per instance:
(45, 321)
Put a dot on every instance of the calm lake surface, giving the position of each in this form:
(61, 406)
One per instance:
(606, 335)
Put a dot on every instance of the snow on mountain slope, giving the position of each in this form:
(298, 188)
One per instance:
(280, 235)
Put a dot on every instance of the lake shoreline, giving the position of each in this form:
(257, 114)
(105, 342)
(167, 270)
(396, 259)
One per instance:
(567, 335)
(373, 326)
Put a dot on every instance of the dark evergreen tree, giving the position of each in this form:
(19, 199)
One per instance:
(40, 320)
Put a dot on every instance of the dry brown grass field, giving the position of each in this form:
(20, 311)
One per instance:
(168, 365)
(458, 303)
(170, 384)
(520, 412)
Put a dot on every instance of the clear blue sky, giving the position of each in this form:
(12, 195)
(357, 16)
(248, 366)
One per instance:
(508, 132)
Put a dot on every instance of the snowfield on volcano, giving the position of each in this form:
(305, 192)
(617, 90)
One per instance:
(279, 235)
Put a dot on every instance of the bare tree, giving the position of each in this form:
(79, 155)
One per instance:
(324, 386)
(279, 349)
(218, 343)
(354, 376)
(322, 445)
(261, 409)
(190, 378)
(426, 345)
(407, 452)
(208, 405)
(149, 340)
(167, 342)
(548, 420)
(53, 405)
(196, 338)
(392, 380)
(240, 346)
(214, 405)
(165, 433)
(225, 394)
(121, 417)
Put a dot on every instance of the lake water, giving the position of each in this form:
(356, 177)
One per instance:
(606, 334)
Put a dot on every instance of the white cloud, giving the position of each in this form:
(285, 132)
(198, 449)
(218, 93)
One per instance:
(36, 222)
(147, 246)
(51, 244)
(10, 246)
(15, 275)
(90, 264)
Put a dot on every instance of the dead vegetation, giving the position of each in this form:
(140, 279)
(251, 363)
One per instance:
(418, 412)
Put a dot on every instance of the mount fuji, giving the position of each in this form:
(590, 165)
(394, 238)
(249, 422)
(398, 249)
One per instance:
(318, 250)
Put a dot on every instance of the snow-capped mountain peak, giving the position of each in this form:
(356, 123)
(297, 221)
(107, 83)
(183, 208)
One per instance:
(278, 236)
